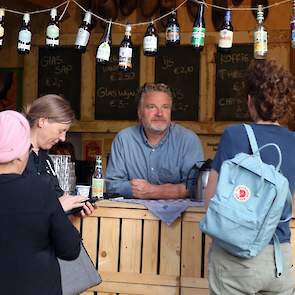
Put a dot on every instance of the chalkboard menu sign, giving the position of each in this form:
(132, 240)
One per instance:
(178, 67)
(116, 92)
(231, 100)
(59, 72)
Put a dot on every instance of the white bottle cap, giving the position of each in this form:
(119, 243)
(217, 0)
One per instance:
(87, 17)
(26, 17)
(53, 12)
(128, 28)
(260, 16)
(2, 12)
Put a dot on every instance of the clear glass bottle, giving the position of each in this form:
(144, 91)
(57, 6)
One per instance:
(2, 14)
(260, 36)
(24, 36)
(52, 31)
(97, 187)
(226, 34)
(172, 30)
(83, 34)
(125, 51)
(293, 27)
(150, 41)
(104, 46)
(199, 29)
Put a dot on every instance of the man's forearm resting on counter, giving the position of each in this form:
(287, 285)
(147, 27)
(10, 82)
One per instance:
(142, 189)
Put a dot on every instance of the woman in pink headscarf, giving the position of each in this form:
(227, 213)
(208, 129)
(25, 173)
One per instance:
(33, 227)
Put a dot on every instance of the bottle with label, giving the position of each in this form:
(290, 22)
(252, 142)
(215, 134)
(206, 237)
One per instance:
(226, 34)
(97, 179)
(199, 29)
(125, 51)
(52, 31)
(83, 34)
(292, 27)
(150, 41)
(172, 30)
(2, 13)
(260, 36)
(24, 36)
(104, 46)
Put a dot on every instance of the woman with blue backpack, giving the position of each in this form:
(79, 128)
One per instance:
(270, 97)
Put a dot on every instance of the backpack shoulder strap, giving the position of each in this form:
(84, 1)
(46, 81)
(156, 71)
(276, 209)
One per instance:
(252, 138)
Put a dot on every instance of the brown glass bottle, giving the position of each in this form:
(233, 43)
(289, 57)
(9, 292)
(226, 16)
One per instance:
(125, 51)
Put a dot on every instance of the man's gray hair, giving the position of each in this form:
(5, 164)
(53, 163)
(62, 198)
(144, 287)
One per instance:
(151, 87)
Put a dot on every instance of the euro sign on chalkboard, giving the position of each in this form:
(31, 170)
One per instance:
(59, 72)
(231, 70)
(178, 67)
(116, 92)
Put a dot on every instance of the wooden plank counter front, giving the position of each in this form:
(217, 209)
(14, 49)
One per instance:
(136, 253)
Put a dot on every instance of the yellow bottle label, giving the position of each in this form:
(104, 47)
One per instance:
(97, 187)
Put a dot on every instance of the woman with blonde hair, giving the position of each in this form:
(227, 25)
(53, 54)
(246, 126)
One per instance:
(50, 118)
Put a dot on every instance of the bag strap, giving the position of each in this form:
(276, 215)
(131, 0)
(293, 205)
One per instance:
(278, 255)
(255, 149)
(252, 139)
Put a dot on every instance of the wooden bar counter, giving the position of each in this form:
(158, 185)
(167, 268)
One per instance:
(136, 253)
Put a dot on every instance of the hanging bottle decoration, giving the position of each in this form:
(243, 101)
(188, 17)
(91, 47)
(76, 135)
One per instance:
(260, 36)
(173, 30)
(293, 26)
(83, 34)
(24, 36)
(150, 41)
(125, 51)
(199, 29)
(226, 34)
(104, 46)
(52, 31)
(2, 14)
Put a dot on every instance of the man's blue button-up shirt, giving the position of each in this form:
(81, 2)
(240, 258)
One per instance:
(170, 161)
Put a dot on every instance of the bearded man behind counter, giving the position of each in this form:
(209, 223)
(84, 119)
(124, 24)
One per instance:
(153, 159)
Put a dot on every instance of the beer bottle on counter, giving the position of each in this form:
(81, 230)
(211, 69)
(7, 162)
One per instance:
(199, 29)
(172, 30)
(24, 36)
(97, 179)
(52, 31)
(125, 51)
(226, 34)
(83, 34)
(2, 13)
(260, 36)
(150, 41)
(104, 46)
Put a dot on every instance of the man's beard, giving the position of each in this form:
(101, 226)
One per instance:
(154, 128)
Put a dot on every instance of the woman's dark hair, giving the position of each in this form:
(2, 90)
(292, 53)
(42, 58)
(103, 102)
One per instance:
(272, 89)
(64, 148)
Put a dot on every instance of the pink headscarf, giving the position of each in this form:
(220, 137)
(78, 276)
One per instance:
(14, 136)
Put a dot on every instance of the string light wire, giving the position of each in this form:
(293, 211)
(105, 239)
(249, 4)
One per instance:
(66, 4)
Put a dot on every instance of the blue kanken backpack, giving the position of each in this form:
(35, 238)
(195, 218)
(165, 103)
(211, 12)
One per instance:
(248, 203)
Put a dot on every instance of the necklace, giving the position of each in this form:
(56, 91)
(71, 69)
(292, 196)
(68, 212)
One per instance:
(261, 122)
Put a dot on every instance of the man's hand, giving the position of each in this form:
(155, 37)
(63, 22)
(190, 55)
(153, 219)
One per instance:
(141, 188)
